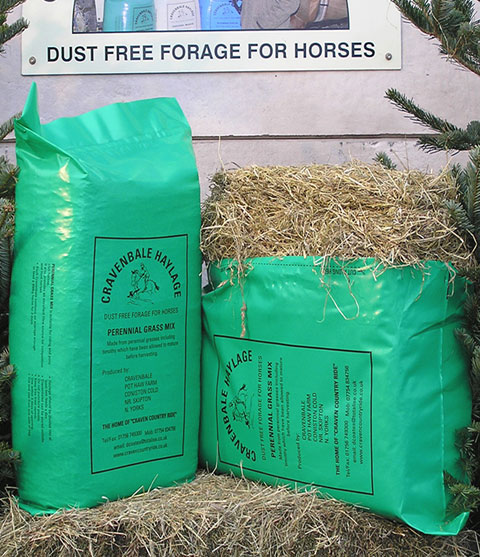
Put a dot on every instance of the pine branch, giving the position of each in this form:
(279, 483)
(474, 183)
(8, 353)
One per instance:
(8, 5)
(8, 178)
(417, 12)
(450, 15)
(8, 457)
(459, 216)
(456, 140)
(474, 428)
(475, 383)
(472, 312)
(433, 144)
(451, 23)
(383, 159)
(458, 176)
(7, 371)
(5, 269)
(471, 274)
(7, 127)
(466, 339)
(467, 445)
(465, 497)
(5, 452)
(8, 460)
(4, 358)
(418, 114)
(6, 377)
(470, 189)
(466, 210)
(7, 32)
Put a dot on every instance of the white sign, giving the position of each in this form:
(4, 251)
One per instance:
(161, 36)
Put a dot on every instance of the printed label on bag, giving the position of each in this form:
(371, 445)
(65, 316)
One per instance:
(299, 413)
(39, 382)
(139, 301)
(41, 312)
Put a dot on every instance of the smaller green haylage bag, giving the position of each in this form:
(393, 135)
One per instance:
(105, 304)
(349, 382)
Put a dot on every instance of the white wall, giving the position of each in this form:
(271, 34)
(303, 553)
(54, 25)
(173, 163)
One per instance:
(274, 118)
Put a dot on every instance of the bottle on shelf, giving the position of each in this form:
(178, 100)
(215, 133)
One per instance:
(220, 14)
(129, 15)
(177, 15)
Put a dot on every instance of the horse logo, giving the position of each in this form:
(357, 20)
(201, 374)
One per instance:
(142, 285)
(240, 411)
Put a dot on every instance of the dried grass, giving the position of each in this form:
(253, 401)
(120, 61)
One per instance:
(220, 516)
(352, 211)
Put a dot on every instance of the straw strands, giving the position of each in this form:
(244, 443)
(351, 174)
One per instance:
(352, 211)
(220, 516)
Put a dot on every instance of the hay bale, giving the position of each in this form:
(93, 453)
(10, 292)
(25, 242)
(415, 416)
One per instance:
(224, 516)
(352, 211)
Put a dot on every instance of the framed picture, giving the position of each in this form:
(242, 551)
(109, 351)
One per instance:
(158, 36)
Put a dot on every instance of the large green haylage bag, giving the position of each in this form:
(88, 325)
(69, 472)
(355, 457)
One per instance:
(105, 304)
(345, 381)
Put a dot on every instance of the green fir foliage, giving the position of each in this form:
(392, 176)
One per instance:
(8, 177)
(465, 211)
(418, 114)
(475, 382)
(6, 376)
(465, 497)
(8, 457)
(8, 31)
(8, 460)
(452, 24)
(450, 137)
(385, 161)
(469, 447)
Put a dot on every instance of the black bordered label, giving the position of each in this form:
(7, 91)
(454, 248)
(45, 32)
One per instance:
(138, 350)
(299, 413)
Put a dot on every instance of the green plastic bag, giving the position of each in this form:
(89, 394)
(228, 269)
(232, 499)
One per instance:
(105, 304)
(345, 381)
